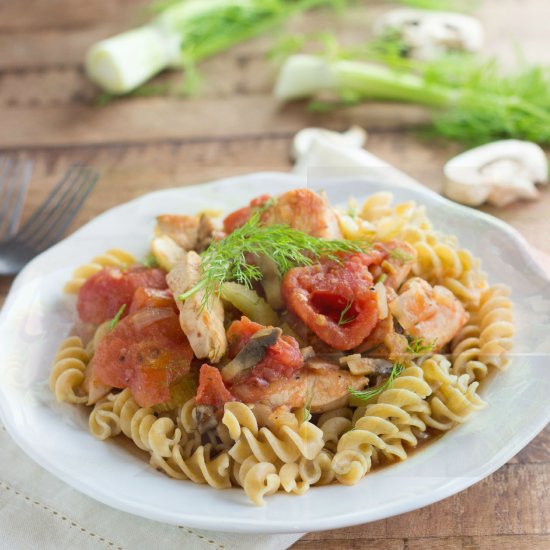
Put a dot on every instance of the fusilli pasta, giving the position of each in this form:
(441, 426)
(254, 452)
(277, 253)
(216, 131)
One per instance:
(112, 258)
(68, 371)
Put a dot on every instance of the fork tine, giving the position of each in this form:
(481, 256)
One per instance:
(64, 211)
(72, 209)
(43, 212)
(5, 181)
(25, 171)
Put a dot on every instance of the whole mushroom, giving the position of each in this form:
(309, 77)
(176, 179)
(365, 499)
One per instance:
(498, 173)
(428, 34)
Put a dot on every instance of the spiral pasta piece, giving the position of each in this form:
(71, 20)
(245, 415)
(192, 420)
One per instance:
(99, 333)
(140, 424)
(114, 257)
(298, 477)
(199, 467)
(383, 427)
(285, 438)
(334, 424)
(488, 336)
(454, 398)
(237, 416)
(68, 371)
(258, 479)
(288, 445)
(103, 422)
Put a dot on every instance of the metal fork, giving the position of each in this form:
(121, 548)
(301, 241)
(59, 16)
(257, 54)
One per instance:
(49, 221)
(14, 179)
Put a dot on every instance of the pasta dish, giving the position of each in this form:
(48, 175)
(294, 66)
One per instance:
(287, 345)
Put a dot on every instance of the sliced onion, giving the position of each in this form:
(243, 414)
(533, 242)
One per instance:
(381, 300)
(149, 315)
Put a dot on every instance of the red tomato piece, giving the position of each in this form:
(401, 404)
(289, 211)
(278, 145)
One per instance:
(212, 390)
(335, 300)
(151, 297)
(103, 294)
(281, 359)
(146, 352)
(148, 277)
(240, 217)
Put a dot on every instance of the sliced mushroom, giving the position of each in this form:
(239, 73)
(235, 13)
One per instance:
(271, 280)
(355, 137)
(205, 418)
(498, 173)
(252, 353)
(428, 34)
(366, 365)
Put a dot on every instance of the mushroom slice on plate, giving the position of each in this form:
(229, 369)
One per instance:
(427, 34)
(498, 173)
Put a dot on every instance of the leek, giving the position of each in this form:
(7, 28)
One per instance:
(181, 34)
(471, 99)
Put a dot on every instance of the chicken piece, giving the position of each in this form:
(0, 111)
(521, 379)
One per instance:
(322, 388)
(397, 265)
(431, 313)
(374, 345)
(202, 326)
(305, 210)
(207, 232)
(183, 230)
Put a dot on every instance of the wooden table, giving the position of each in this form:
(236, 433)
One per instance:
(141, 144)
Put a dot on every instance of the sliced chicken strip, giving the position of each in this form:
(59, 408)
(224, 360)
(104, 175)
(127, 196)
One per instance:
(431, 313)
(305, 210)
(322, 388)
(202, 326)
(397, 265)
(183, 230)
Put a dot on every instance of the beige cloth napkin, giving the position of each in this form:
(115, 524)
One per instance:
(39, 511)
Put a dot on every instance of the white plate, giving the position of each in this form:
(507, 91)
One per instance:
(35, 319)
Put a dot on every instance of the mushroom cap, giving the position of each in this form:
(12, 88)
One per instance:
(428, 33)
(499, 173)
(355, 137)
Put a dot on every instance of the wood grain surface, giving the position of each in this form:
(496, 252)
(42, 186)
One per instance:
(48, 114)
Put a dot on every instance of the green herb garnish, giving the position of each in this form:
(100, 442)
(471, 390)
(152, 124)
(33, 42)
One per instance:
(368, 394)
(417, 346)
(114, 321)
(401, 255)
(225, 260)
(343, 320)
(381, 279)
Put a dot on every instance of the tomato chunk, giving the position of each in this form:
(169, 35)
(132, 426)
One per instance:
(212, 390)
(151, 297)
(103, 294)
(281, 359)
(335, 300)
(146, 352)
(240, 217)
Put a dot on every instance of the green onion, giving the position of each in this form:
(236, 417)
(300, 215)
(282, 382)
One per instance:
(114, 321)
